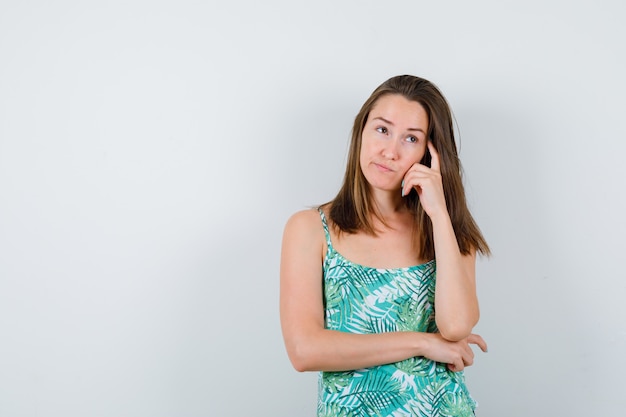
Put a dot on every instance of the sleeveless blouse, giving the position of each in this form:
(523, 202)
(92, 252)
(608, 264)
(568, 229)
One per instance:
(363, 300)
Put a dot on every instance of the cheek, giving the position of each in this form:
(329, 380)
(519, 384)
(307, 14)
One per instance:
(422, 154)
(367, 149)
(417, 155)
(423, 151)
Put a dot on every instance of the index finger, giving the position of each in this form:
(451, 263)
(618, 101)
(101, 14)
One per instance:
(477, 340)
(434, 157)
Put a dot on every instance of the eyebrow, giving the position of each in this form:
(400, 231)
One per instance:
(411, 129)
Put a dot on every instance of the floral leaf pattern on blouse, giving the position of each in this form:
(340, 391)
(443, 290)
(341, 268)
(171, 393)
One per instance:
(363, 300)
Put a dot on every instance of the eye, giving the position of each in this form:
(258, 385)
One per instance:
(411, 139)
(382, 129)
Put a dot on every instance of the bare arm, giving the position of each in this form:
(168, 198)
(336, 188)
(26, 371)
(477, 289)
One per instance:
(309, 345)
(456, 303)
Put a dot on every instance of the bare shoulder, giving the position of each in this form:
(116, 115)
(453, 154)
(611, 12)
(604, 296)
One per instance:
(303, 244)
(304, 223)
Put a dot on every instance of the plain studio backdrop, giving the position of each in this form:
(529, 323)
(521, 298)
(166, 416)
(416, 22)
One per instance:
(151, 153)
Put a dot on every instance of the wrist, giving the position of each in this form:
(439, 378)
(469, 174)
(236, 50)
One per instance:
(421, 343)
(440, 216)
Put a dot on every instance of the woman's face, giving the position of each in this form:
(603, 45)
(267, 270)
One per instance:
(393, 139)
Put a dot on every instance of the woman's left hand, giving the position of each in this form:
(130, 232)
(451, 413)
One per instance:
(427, 182)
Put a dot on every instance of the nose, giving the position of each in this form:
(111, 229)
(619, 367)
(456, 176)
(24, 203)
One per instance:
(390, 150)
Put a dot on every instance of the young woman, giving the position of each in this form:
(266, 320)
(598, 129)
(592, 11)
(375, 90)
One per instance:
(359, 300)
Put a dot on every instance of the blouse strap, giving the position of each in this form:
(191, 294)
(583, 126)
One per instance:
(325, 225)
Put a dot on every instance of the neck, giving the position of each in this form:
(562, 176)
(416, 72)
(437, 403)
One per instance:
(387, 205)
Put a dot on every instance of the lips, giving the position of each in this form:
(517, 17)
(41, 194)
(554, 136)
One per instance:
(383, 167)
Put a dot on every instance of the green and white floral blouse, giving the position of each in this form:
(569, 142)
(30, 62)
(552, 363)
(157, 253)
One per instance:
(360, 299)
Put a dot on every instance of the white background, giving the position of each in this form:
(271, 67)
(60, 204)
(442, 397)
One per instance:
(151, 152)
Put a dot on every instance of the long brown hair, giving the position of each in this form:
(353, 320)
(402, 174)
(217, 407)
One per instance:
(351, 209)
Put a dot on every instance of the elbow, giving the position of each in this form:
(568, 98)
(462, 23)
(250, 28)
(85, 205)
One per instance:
(304, 346)
(299, 366)
(298, 361)
(455, 334)
(457, 330)
(301, 358)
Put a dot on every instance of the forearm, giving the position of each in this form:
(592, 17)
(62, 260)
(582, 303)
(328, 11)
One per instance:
(456, 303)
(329, 350)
